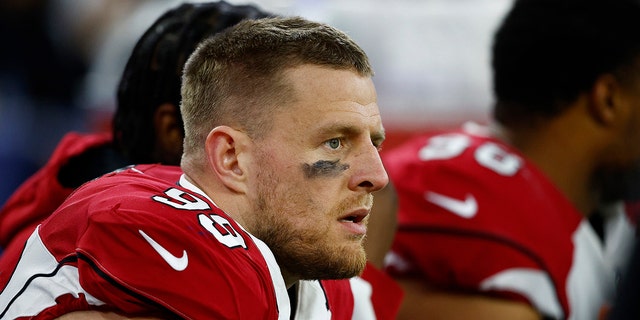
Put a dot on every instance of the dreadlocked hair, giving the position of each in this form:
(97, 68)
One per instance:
(153, 72)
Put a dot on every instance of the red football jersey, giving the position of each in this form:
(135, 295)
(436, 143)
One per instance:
(475, 216)
(41, 194)
(146, 242)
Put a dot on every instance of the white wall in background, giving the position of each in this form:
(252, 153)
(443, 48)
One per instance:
(431, 57)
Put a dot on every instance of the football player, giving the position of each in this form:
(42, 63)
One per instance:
(518, 220)
(155, 63)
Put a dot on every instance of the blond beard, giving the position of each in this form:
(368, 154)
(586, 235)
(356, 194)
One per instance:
(303, 252)
(309, 257)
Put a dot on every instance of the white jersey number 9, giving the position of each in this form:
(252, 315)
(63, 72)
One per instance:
(490, 155)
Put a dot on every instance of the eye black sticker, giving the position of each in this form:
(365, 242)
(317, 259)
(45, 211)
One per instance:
(324, 168)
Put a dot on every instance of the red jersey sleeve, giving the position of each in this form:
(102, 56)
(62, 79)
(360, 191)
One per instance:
(148, 251)
(386, 294)
(41, 194)
(475, 216)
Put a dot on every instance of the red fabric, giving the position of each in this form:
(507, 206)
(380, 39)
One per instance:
(41, 194)
(386, 295)
(633, 211)
(339, 297)
(508, 214)
(98, 241)
(222, 280)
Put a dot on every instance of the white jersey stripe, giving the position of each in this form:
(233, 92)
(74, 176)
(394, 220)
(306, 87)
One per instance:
(586, 297)
(282, 297)
(533, 284)
(363, 307)
(312, 301)
(43, 280)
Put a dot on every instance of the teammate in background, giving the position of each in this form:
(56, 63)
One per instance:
(500, 222)
(148, 128)
(280, 160)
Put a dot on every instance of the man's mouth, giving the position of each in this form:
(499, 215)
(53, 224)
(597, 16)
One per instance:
(353, 218)
(355, 221)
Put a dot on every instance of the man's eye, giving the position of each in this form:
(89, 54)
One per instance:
(334, 143)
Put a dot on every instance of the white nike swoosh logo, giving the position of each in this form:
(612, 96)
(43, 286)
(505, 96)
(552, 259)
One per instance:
(176, 263)
(466, 208)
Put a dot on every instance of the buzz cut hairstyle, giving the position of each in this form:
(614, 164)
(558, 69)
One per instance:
(236, 77)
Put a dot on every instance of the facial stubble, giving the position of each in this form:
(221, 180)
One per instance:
(301, 247)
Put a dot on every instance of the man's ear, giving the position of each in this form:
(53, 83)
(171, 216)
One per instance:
(225, 148)
(169, 134)
(605, 106)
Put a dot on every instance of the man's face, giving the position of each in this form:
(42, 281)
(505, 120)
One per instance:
(315, 171)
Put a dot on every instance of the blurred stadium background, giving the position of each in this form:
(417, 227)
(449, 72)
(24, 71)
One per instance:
(61, 61)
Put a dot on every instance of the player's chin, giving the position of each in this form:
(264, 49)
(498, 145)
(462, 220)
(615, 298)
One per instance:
(352, 259)
(355, 266)
(351, 245)
(343, 262)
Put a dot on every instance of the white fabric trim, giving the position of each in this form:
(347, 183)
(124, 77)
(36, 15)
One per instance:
(184, 182)
(620, 235)
(362, 305)
(591, 280)
(282, 297)
(42, 291)
(533, 284)
(312, 301)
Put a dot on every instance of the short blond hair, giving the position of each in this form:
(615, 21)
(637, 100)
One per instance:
(235, 77)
